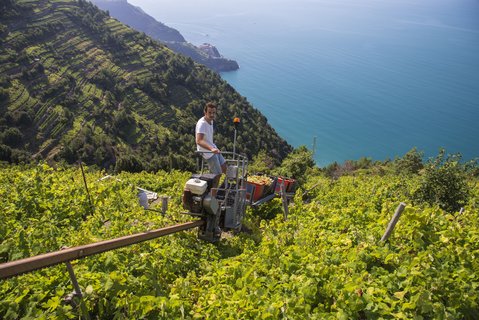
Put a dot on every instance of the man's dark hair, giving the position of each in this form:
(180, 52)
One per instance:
(209, 105)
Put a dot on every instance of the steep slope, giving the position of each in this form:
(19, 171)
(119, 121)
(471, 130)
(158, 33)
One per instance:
(76, 84)
(136, 18)
(141, 21)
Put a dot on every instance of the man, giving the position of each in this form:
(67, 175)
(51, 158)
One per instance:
(204, 140)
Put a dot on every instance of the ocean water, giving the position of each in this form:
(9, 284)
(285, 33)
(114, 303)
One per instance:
(361, 78)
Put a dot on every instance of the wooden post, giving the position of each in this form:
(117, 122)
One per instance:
(285, 201)
(73, 278)
(92, 209)
(393, 221)
(77, 291)
(164, 204)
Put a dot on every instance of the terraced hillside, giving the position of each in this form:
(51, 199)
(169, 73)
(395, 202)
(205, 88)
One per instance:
(76, 84)
(136, 18)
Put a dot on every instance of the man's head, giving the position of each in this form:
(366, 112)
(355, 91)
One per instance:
(210, 111)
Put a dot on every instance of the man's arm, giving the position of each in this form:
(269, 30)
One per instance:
(200, 140)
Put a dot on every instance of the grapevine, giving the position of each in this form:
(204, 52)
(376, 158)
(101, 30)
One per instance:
(261, 180)
(325, 261)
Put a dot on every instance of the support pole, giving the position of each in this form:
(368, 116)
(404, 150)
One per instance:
(86, 187)
(285, 201)
(234, 145)
(73, 278)
(164, 204)
(461, 211)
(393, 221)
(236, 122)
(84, 311)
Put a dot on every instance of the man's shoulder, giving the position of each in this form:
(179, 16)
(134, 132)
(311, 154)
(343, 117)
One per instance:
(201, 125)
(202, 122)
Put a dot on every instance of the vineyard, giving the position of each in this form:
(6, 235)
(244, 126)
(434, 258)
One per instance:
(325, 261)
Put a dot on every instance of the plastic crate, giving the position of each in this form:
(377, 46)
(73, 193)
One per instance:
(289, 184)
(254, 191)
(270, 189)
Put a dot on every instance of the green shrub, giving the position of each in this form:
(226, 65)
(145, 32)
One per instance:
(410, 163)
(262, 162)
(5, 153)
(336, 170)
(4, 97)
(128, 163)
(443, 183)
(297, 164)
(12, 137)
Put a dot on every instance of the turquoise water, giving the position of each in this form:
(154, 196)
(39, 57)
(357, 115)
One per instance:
(362, 78)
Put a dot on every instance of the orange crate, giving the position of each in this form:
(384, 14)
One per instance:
(258, 190)
(288, 184)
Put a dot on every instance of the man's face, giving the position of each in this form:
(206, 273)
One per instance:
(210, 114)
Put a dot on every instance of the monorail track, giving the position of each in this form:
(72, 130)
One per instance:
(17, 267)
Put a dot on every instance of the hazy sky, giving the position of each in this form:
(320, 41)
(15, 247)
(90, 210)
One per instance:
(182, 11)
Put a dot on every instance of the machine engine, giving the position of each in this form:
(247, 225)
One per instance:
(197, 194)
(220, 207)
(199, 201)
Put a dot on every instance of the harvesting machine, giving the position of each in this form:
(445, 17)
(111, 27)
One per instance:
(223, 207)
(220, 207)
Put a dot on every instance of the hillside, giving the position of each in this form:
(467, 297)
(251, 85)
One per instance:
(136, 18)
(326, 261)
(76, 84)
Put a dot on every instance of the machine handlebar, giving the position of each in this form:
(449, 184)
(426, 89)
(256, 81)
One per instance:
(224, 152)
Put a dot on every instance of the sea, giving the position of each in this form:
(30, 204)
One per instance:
(348, 78)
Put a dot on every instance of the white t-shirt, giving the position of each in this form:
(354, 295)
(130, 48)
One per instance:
(202, 126)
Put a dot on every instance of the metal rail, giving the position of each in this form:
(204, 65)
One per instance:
(18, 267)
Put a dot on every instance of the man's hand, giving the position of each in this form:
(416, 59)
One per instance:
(200, 140)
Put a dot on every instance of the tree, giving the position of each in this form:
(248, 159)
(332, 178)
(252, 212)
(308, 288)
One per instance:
(128, 163)
(12, 137)
(4, 95)
(262, 162)
(410, 163)
(297, 164)
(443, 183)
(5, 153)
(123, 123)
